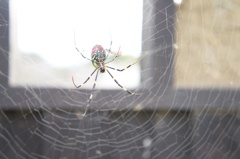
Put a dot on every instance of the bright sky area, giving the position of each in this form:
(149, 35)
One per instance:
(46, 27)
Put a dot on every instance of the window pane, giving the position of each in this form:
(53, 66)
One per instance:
(43, 50)
(207, 44)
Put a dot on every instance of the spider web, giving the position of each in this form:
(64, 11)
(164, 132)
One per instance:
(189, 76)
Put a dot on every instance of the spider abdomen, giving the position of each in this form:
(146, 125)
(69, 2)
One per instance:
(98, 56)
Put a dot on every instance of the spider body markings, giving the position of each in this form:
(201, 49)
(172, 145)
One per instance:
(98, 59)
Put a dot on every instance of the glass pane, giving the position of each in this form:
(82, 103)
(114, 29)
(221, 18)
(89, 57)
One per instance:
(43, 50)
(207, 44)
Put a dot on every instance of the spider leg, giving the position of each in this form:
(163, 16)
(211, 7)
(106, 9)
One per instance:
(78, 50)
(126, 90)
(85, 81)
(90, 98)
(117, 55)
(109, 49)
(126, 67)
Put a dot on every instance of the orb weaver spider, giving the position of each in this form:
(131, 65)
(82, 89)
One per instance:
(98, 59)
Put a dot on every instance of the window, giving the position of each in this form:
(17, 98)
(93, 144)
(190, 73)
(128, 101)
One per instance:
(207, 41)
(43, 50)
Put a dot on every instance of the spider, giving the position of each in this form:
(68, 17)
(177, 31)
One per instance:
(98, 59)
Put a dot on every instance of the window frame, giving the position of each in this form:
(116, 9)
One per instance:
(162, 73)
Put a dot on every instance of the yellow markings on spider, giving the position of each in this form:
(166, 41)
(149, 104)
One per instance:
(91, 96)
